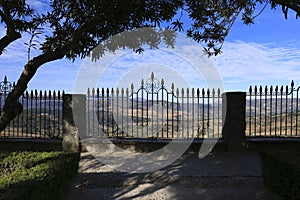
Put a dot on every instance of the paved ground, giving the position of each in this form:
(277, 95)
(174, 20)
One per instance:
(222, 175)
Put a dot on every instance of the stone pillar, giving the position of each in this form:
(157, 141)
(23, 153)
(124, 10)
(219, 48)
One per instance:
(74, 121)
(233, 116)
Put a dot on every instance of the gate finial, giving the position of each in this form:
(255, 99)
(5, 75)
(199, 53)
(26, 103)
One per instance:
(132, 86)
(152, 76)
(5, 86)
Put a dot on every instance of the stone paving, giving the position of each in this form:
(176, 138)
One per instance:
(220, 175)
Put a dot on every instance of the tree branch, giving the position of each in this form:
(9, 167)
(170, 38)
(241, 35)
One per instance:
(7, 39)
(294, 5)
(11, 33)
(12, 107)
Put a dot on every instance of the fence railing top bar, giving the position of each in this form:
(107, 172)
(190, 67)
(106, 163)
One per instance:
(272, 90)
(178, 93)
(6, 87)
(40, 94)
(154, 86)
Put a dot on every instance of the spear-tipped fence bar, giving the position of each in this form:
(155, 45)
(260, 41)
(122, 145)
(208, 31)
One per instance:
(41, 116)
(273, 112)
(154, 112)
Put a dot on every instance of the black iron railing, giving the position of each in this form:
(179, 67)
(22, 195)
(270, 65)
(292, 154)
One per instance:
(153, 111)
(41, 117)
(273, 111)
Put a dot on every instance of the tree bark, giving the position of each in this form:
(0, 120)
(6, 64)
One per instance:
(12, 107)
(11, 33)
(7, 39)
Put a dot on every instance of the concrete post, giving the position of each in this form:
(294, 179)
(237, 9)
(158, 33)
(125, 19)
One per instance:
(73, 125)
(233, 116)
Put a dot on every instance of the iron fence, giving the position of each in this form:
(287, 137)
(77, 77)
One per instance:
(41, 117)
(273, 111)
(154, 112)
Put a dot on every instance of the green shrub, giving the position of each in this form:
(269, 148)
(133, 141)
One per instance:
(36, 175)
(281, 176)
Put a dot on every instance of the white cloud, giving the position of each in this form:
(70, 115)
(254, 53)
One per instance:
(39, 5)
(252, 63)
(242, 64)
(186, 67)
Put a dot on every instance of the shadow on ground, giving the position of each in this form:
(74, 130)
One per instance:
(221, 175)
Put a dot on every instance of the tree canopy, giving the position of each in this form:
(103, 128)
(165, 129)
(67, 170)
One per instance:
(73, 28)
(13, 14)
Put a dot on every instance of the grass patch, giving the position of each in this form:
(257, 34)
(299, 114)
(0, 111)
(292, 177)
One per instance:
(281, 171)
(36, 175)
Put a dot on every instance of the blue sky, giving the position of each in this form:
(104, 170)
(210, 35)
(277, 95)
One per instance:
(265, 53)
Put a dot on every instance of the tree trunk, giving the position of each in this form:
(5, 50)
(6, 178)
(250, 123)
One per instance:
(12, 108)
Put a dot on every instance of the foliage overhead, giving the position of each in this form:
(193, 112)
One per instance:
(73, 28)
(16, 17)
(15, 14)
(97, 21)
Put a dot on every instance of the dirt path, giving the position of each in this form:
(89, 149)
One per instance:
(217, 176)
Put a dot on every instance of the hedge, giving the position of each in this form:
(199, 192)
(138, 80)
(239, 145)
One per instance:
(36, 175)
(282, 174)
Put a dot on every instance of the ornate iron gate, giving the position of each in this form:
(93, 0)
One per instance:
(154, 112)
